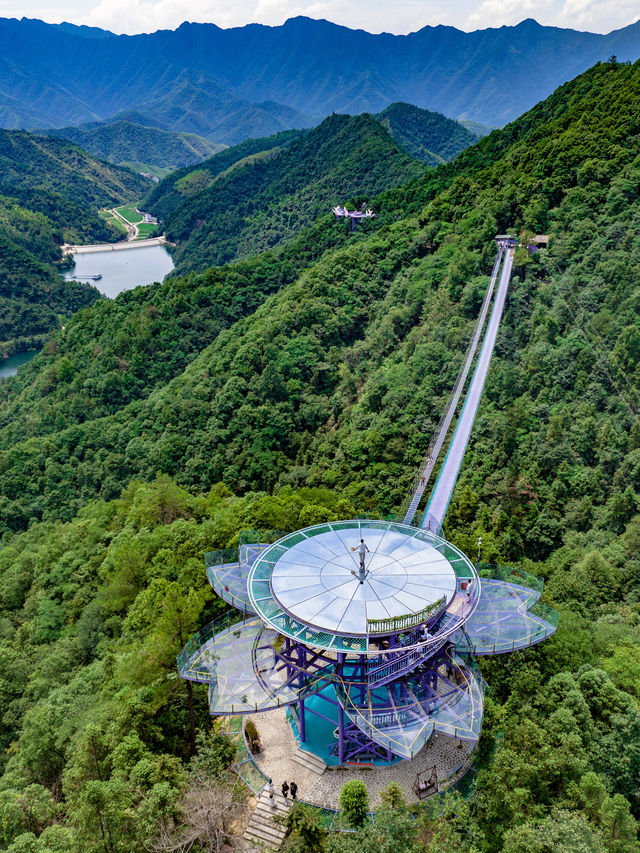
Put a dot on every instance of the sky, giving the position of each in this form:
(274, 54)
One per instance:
(397, 16)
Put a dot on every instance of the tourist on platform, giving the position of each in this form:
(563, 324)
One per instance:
(362, 550)
(294, 791)
(285, 789)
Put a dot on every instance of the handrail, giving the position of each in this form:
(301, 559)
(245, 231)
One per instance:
(204, 635)
(407, 620)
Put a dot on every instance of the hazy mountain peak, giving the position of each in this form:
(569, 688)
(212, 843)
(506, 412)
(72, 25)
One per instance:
(307, 67)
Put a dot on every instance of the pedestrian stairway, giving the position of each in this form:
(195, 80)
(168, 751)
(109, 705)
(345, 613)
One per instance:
(262, 831)
(309, 761)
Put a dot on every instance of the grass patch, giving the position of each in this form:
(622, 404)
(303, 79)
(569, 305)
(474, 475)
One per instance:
(159, 171)
(146, 229)
(128, 212)
(112, 220)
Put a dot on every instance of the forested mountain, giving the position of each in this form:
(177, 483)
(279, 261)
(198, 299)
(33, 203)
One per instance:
(228, 85)
(50, 193)
(256, 194)
(316, 372)
(123, 142)
(187, 182)
(267, 196)
(427, 136)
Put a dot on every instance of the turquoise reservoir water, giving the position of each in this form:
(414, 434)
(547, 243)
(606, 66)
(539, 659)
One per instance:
(124, 269)
(9, 366)
(121, 270)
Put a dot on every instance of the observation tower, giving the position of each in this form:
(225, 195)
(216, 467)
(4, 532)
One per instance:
(366, 631)
(354, 215)
(383, 654)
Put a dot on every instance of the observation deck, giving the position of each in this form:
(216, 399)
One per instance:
(309, 587)
(369, 627)
(375, 620)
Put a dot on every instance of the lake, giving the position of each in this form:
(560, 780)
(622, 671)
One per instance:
(9, 366)
(124, 269)
(121, 270)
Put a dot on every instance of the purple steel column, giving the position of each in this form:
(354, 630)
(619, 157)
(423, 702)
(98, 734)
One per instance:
(302, 660)
(303, 733)
(340, 716)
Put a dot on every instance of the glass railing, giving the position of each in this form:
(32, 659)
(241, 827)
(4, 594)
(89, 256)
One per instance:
(190, 659)
(401, 716)
(512, 575)
(400, 623)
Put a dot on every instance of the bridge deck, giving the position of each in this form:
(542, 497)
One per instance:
(439, 501)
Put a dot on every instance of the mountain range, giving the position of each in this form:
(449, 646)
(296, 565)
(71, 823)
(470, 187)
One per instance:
(427, 136)
(227, 85)
(304, 385)
(126, 142)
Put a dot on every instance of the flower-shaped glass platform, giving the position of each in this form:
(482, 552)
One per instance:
(508, 617)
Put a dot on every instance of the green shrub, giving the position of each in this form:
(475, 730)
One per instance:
(354, 801)
(304, 832)
(252, 736)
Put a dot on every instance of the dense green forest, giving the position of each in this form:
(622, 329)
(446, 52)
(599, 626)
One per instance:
(126, 141)
(266, 197)
(427, 136)
(186, 182)
(50, 193)
(305, 384)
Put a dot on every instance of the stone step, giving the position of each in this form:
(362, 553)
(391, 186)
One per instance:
(256, 838)
(262, 829)
(266, 813)
(270, 831)
(258, 833)
(274, 833)
(282, 805)
(309, 761)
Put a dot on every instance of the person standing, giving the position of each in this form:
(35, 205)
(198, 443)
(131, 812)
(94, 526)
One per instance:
(272, 800)
(294, 791)
(285, 790)
(362, 550)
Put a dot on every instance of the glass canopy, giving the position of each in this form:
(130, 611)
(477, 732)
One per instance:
(313, 582)
(318, 580)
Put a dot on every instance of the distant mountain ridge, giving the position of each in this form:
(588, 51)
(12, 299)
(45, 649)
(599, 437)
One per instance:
(427, 136)
(228, 85)
(127, 141)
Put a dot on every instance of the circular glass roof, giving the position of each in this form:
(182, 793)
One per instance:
(318, 579)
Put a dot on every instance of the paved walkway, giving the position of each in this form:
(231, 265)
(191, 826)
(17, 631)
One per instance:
(277, 761)
(278, 748)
